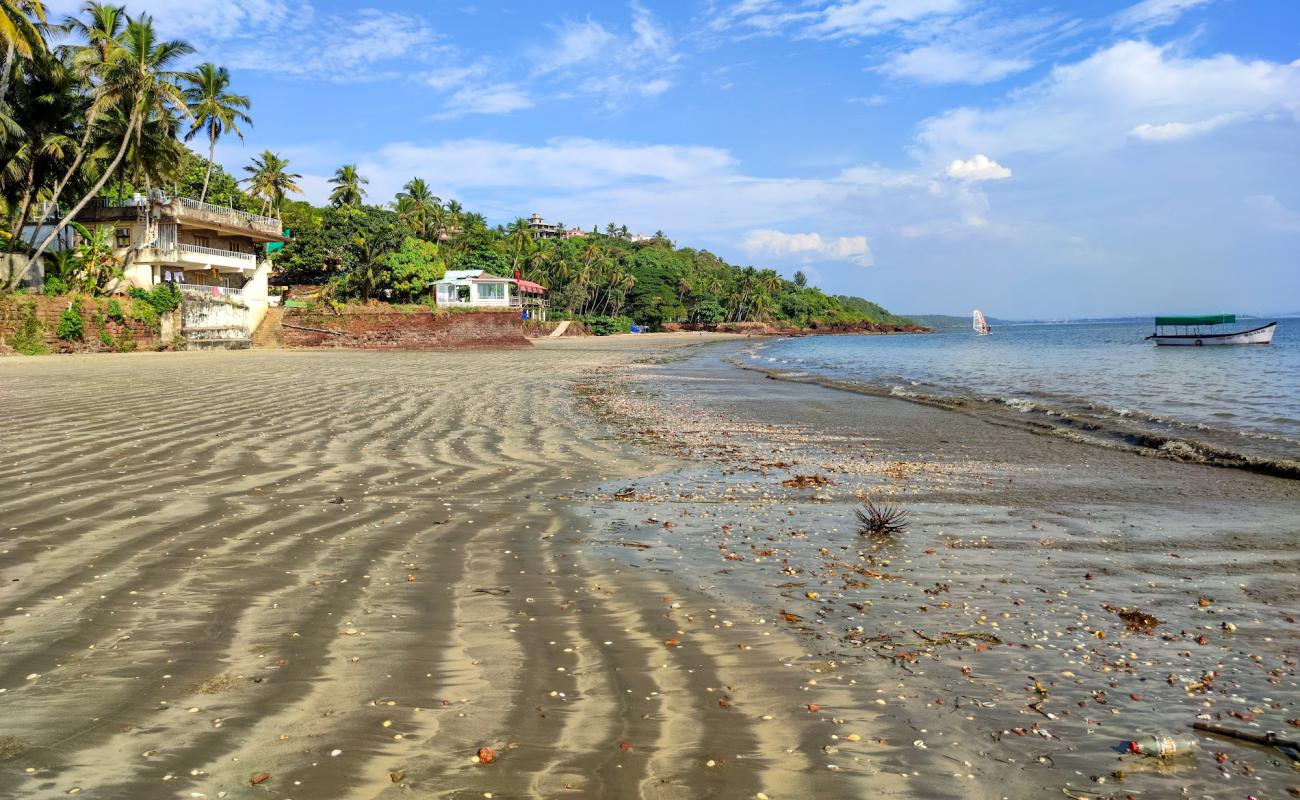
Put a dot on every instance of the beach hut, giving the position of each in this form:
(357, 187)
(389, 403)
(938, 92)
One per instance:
(475, 288)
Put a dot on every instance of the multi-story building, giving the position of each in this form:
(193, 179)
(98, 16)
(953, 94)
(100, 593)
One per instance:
(543, 230)
(207, 250)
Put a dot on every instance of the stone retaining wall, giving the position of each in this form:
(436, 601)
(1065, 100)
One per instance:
(389, 330)
(48, 309)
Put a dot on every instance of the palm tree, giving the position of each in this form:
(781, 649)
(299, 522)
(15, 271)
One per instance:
(415, 204)
(347, 186)
(137, 77)
(214, 109)
(519, 238)
(270, 180)
(101, 31)
(20, 33)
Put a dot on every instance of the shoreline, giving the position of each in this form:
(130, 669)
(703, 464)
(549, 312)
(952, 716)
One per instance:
(406, 557)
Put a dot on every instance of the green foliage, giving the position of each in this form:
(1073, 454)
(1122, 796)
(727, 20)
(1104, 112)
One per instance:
(29, 336)
(413, 269)
(606, 326)
(161, 299)
(870, 310)
(71, 326)
(114, 311)
(329, 243)
(223, 188)
(104, 338)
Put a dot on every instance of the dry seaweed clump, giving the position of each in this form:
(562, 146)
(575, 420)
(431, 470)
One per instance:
(880, 520)
(219, 684)
(11, 746)
(814, 481)
(1135, 619)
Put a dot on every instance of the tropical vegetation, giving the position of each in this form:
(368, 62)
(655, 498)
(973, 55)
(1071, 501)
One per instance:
(100, 105)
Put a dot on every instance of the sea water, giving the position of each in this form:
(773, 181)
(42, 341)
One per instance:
(1240, 398)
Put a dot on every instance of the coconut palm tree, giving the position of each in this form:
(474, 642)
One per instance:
(103, 25)
(415, 204)
(215, 110)
(138, 78)
(20, 30)
(270, 180)
(347, 186)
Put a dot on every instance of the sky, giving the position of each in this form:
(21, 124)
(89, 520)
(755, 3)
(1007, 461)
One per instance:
(1032, 159)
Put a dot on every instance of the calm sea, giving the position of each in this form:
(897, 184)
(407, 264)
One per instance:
(1091, 376)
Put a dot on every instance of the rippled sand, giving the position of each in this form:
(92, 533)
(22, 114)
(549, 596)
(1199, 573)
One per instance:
(340, 574)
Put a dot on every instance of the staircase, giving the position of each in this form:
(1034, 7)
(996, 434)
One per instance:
(560, 329)
(270, 333)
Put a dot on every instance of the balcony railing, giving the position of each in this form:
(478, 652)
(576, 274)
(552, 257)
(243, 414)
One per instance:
(213, 290)
(209, 208)
(212, 251)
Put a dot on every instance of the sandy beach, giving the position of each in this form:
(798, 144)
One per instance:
(341, 574)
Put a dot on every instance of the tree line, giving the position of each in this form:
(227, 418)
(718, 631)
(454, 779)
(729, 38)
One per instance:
(98, 104)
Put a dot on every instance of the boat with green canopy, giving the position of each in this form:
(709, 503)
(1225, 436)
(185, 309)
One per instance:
(1195, 331)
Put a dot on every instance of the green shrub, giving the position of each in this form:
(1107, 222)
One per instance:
(144, 312)
(115, 312)
(125, 342)
(71, 326)
(606, 326)
(164, 297)
(56, 285)
(105, 339)
(29, 338)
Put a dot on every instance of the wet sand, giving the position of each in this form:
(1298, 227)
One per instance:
(350, 571)
(983, 649)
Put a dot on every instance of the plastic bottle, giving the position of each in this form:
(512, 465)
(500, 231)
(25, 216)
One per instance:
(1159, 745)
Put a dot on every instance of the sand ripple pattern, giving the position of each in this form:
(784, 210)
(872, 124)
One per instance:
(345, 570)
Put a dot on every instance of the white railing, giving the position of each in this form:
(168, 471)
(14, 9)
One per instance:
(210, 208)
(199, 287)
(212, 251)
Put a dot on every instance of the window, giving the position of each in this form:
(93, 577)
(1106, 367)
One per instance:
(123, 237)
(202, 241)
(491, 291)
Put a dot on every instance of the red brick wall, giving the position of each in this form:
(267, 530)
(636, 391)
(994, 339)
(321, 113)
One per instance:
(387, 330)
(50, 308)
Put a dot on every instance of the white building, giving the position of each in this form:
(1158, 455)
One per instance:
(206, 249)
(474, 288)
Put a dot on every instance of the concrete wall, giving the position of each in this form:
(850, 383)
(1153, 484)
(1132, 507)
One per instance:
(389, 330)
(217, 321)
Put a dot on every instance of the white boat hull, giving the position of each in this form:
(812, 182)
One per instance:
(1262, 335)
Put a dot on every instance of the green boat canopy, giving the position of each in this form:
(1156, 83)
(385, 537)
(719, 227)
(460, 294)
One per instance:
(1212, 319)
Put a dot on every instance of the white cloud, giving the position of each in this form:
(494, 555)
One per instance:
(872, 17)
(200, 19)
(1172, 131)
(496, 98)
(589, 58)
(978, 167)
(1150, 14)
(942, 64)
(445, 78)
(831, 20)
(1096, 104)
(808, 246)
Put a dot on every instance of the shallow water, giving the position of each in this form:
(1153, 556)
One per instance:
(1241, 398)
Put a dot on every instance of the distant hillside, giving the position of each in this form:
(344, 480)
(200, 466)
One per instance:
(946, 321)
(874, 311)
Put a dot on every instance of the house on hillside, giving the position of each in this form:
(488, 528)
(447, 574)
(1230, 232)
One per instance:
(474, 288)
(215, 255)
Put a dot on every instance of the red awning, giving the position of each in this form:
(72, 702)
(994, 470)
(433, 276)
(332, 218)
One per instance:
(528, 287)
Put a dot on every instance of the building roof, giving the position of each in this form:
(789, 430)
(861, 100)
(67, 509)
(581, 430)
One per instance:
(528, 287)
(456, 275)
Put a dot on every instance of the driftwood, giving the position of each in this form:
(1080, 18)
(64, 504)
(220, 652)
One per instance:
(1269, 739)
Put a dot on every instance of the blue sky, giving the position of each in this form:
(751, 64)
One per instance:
(1033, 159)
